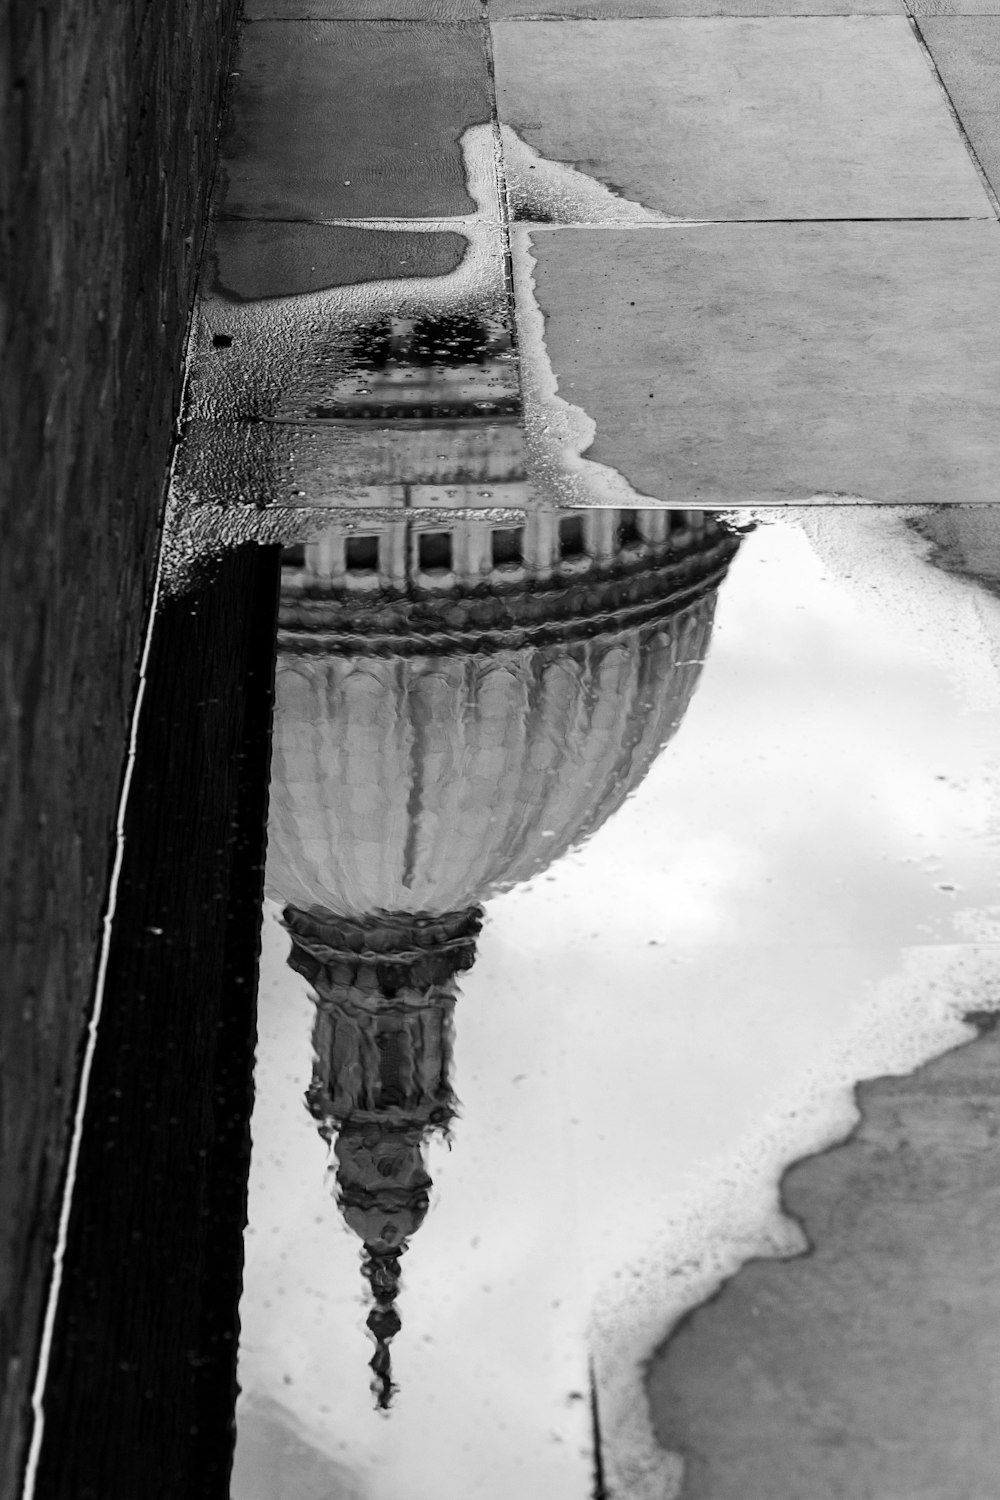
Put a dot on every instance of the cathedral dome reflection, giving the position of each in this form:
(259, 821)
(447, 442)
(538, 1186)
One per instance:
(447, 729)
(455, 708)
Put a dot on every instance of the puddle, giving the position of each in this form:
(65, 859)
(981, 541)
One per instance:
(610, 845)
(605, 856)
(296, 399)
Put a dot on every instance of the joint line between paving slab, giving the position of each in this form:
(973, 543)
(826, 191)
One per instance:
(813, 15)
(499, 176)
(503, 198)
(408, 21)
(451, 225)
(538, 225)
(914, 22)
(456, 225)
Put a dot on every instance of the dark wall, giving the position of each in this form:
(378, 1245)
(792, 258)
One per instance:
(107, 138)
(141, 1392)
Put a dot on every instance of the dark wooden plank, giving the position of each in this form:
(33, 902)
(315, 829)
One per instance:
(142, 1380)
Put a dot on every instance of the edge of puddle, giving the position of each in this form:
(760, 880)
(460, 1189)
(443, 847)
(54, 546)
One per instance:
(740, 1216)
(939, 999)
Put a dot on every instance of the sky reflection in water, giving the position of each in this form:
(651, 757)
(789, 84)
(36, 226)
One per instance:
(825, 816)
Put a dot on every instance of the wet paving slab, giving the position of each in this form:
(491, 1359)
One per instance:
(545, 1045)
(257, 260)
(396, 97)
(365, 10)
(355, 347)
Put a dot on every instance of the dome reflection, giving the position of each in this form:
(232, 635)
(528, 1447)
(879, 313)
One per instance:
(456, 707)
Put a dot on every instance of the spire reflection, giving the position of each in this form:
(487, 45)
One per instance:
(456, 706)
(382, 1040)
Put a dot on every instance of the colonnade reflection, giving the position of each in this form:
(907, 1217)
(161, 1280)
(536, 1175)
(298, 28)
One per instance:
(457, 705)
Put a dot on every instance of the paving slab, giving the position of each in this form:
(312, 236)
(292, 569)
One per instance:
(966, 52)
(353, 119)
(754, 364)
(624, 9)
(250, 259)
(363, 10)
(954, 7)
(776, 118)
(869, 1366)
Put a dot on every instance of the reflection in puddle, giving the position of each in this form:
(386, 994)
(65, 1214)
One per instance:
(294, 395)
(435, 369)
(670, 996)
(673, 968)
(455, 708)
(382, 1078)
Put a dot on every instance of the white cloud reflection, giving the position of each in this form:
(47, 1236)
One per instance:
(650, 1031)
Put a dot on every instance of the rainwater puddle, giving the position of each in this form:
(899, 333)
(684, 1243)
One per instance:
(606, 853)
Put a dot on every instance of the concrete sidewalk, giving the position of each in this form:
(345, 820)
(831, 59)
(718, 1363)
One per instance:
(751, 254)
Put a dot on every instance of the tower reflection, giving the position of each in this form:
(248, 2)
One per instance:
(385, 992)
(456, 707)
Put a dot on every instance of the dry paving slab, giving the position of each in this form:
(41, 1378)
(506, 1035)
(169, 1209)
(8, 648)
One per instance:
(730, 364)
(637, 9)
(354, 119)
(776, 118)
(954, 7)
(500, 10)
(966, 53)
(869, 1366)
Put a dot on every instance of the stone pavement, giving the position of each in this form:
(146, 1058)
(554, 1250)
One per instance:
(498, 259)
(744, 254)
(868, 1366)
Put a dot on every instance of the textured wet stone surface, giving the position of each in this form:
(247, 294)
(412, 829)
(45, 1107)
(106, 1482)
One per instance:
(853, 126)
(363, 10)
(258, 258)
(621, 9)
(868, 1366)
(353, 119)
(729, 364)
(300, 354)
(954, 8)
(966, 53)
